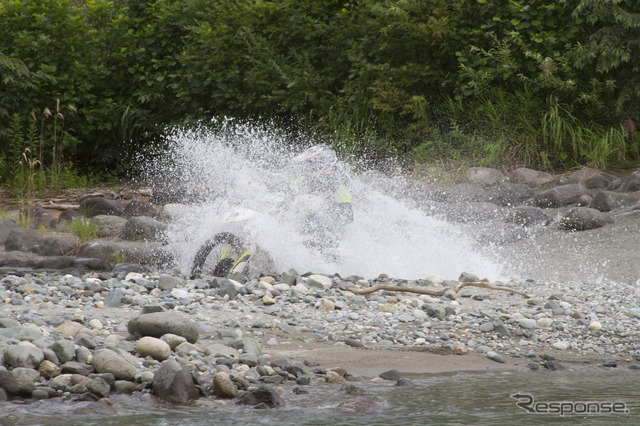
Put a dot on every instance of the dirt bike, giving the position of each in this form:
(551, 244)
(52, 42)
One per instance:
(228, 253)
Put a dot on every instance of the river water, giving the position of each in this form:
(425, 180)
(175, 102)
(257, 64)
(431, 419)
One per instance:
(463, 398)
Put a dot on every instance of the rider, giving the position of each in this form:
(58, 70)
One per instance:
(321, 176)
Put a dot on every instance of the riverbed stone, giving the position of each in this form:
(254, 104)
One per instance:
(158, 324)
(263, 396)
(13, 385)
(23, 355)
(153, 347)
(583, 218)
(108, 361)
(319, 281)
(173, 383)
(223, 386)
(64, 349)
(559, 196)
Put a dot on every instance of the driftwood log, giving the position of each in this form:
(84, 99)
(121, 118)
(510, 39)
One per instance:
(431, 292)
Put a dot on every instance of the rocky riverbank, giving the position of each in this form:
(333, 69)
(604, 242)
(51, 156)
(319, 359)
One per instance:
(82, 322)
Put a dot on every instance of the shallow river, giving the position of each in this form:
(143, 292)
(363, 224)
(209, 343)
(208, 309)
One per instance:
(463, 398)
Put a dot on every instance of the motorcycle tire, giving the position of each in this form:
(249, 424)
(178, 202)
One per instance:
(221, 241)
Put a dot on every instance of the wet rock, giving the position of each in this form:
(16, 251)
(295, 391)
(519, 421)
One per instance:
(151, 253)
(527, 216)
(529, 177)
(23, 239)
(160, 323)
(23, 355)
(174, 383)
(91, 264)
(110, 226)
(605, 201)
(100, 387)
(263, 397)
(461, 192)
(153, 347)
(58, 245)
(96, 206)
(392, 375)
(359, 404)
(223, 386)
(144, 228)
(583, 218)
(108, 361)
(559, 196)
(125, 268)
(13, 386)
(484, 176)
(510, 194)
(140, 208)
(591, 178)
(632, 182)
(473, 212)
(55, 262)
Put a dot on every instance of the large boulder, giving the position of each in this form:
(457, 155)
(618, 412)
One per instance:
(583, 218)
(529, 177)
(150, 253)
(606, 201)
(110, 226)
(485, 176)
(23, 239)
(591, 179)
(157, 324)
(527, 216)
(18, 259)
(58, 245)
(140, 208)
(560, 196)
(144, 228)
(510, 194)
(55, 262)
(632, 182)
(101, 206)
(173, 383)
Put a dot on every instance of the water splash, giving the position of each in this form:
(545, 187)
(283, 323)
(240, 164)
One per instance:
(241, 165)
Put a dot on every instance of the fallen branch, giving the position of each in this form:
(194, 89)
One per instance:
(431, 292)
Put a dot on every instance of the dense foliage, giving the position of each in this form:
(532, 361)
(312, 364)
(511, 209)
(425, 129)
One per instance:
(543, 82)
